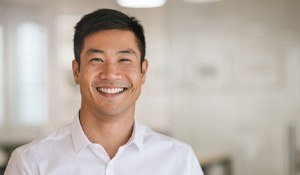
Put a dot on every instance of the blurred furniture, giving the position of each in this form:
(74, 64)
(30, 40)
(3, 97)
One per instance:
(294, 160)
(212, 160)
(6, 151)
(298, 162)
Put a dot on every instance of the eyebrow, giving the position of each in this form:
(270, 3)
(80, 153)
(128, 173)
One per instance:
(128, 51)
(92, 51)
(99, 51)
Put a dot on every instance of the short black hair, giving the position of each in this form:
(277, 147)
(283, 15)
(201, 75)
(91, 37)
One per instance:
(106, 19)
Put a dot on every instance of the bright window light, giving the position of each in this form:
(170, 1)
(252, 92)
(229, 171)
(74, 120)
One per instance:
(141, 3)
(32, 78)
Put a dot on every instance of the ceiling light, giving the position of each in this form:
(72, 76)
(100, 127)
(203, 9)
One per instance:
(141, 3)
(200, 1)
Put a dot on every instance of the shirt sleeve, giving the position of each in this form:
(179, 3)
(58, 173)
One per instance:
(195, 165)
(17, 165)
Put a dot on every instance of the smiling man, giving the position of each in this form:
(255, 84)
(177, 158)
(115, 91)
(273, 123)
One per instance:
(110, 77)
(104, 138)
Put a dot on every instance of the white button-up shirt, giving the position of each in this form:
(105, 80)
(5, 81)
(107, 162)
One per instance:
(67, 151)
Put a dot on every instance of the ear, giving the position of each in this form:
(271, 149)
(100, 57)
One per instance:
(75, 68)
(144, 70)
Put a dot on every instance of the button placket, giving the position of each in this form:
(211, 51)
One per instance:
(100, 152)
(110, 168)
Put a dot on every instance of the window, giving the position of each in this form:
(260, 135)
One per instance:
(31, 74)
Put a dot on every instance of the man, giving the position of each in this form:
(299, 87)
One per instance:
(104, 138)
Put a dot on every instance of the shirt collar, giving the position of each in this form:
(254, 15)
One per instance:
(137, 136)
(80, 140)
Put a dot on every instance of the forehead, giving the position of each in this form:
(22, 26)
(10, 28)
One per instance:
(111, 39)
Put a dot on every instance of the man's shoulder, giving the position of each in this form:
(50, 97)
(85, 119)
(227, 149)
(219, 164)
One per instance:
(153, 137)
(46, 144)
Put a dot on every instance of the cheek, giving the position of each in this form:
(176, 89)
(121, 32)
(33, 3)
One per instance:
(138, 81)
(86, 77)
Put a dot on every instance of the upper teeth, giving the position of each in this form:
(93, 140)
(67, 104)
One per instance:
(110, 90)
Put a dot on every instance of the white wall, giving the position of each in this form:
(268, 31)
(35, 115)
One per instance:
(222, 76)
(235, 79)
(229, 80)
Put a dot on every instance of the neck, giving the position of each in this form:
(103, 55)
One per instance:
(110, 132)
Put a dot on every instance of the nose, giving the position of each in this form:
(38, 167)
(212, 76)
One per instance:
(110, 72)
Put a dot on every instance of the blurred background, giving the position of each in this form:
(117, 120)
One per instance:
(224, 77)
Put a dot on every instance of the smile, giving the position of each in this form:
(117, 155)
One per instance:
(110, 90)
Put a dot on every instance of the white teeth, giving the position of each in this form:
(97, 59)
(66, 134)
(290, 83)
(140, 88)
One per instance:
(110, 90)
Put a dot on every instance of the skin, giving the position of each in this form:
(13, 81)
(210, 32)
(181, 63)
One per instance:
(110, 61)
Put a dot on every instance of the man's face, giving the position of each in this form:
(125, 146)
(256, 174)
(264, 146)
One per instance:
(111, 74)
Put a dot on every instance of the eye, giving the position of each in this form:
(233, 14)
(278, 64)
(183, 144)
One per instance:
(125, 60)
(96, 60)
